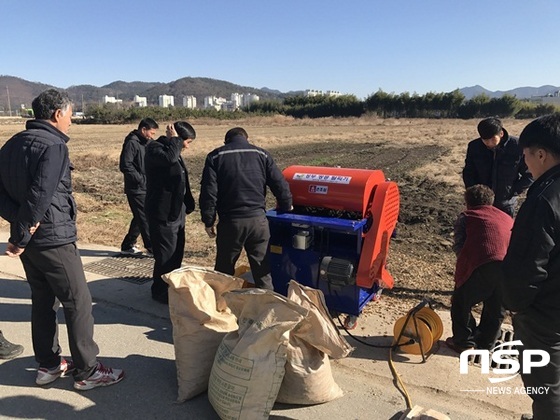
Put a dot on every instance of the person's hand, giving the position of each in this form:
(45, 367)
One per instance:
(279, 211)
(33, 229)
(170, 131)
(13, 251)
(210, 231)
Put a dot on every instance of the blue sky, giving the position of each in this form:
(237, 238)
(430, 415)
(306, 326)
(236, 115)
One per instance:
(354, 47)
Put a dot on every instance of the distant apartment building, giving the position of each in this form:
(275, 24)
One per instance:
(111, 100)
(333, 93)
(249, 98)
(140, 101)
(235, 100)
(165, 101)
(189, 101)
(552, 98)
(214, 102)
(313, 92)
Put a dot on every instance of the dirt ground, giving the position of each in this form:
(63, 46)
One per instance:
(424, 157)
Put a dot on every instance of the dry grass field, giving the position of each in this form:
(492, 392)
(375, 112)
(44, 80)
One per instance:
(425, 158)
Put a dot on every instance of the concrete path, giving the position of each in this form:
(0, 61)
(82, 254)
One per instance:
(135, 333)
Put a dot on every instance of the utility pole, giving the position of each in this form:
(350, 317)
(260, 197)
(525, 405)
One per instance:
(9, 106)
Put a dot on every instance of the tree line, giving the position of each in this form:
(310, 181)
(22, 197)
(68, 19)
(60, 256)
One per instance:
(383, 104)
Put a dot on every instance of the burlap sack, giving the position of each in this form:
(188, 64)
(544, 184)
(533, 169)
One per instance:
(249, 365)
(200, 319)
(308, 378)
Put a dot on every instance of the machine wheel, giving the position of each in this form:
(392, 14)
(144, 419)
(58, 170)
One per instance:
(350, 322)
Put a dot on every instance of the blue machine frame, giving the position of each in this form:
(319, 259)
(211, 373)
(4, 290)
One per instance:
(301, 260)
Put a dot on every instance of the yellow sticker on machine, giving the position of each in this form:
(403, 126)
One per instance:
(275, 249)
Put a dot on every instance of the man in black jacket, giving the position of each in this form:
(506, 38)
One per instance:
(168, 201)
(36, 198)
(496, 160)
(132, 166)
(233, 186)
(531, 282)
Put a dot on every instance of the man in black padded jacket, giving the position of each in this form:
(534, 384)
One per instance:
(36, 198)
(131, 164)
(496, 160)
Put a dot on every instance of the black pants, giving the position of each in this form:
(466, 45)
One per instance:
(536, 334)
(252, 234)
(57, 273)
(168, 245)
(482, 286)
(138, 224)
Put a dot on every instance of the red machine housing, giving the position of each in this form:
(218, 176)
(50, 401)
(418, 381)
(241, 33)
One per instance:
(366, 192)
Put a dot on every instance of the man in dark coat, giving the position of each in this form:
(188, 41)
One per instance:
(496, 160)
(531, 282)
(36, 198)
(132, 166)
(168, 201)
(233, 186)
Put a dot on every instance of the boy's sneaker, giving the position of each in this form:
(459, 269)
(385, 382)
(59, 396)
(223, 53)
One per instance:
(102, 376)
(149, 253)
(46, 376)
(132, 251)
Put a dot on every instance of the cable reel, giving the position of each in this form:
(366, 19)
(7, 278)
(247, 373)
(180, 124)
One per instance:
(418, 331)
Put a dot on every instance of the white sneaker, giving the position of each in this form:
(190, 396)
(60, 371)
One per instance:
(102, 376)
(46, 376)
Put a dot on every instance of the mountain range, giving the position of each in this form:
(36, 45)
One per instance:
(22, 91)
(15, 91)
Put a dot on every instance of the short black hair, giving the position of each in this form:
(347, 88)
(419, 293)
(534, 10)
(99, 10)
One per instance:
(148, 123)
(489, 128)
(544, 133)
(236, 131)
(45, 105)
(479, 195)
(184, 130)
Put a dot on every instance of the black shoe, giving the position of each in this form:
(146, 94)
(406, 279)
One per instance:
(9, 350)
(161, 298)
(131, 251)
(459, 349)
